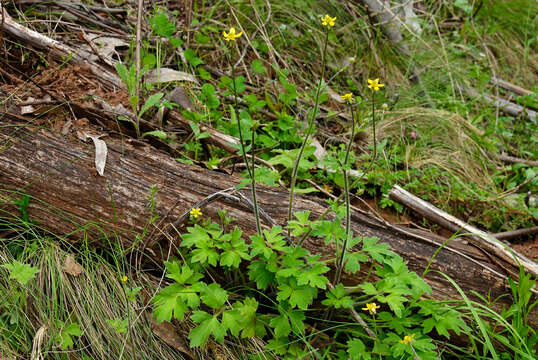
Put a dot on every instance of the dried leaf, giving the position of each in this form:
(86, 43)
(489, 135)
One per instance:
(101, 152)
(168, 75)
(167, 332)
(71, 267)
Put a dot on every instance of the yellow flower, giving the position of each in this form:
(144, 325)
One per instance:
(328, 21)
(231, 36)
(371, 307)
(374, 84)
(195, 212)
(348, 98)
(327, 188)
(124, 278)
(408, 339)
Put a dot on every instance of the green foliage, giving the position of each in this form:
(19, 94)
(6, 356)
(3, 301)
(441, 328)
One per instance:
(21, 272)
(66, 334)
(293, 279)
(23, 204)
(118, 325)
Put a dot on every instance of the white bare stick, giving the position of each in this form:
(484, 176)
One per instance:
(508, 107)
(450, 222)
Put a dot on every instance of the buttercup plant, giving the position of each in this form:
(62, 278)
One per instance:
(327, 22)
(374, 85)
(348, 99)
(231, 36)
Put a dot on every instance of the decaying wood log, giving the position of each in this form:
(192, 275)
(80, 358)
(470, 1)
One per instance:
(70, 198)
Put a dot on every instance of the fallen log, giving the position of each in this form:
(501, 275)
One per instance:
(69, 198)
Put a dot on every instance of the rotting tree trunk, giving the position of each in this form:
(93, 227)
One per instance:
(70, 198)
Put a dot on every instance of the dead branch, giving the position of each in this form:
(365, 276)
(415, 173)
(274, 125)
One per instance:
(452, 223)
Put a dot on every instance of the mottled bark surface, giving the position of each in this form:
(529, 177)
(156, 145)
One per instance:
(70, 198)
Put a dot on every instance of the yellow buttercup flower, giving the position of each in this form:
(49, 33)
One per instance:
(231, 35)
(327, 188)
(408, 339)
(195, 212)
(124, 278)
(348, 98)
(328, 21)
(371, 308)
(374, 84)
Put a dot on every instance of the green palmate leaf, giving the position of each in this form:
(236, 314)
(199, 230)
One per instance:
(204, 75)
(67, 332)
(192, 59)
(214, 296)
(368, 288)
(258, 272)
(377, 251)
(357, 350)
(337, 298)
(444, 320)
(281, 325)
(234, 249)
(300, 296)
(208, 96)
(254, 104)
(353, 260)
(175, 42)
(227, 83)
(205, 254)
(292, 261)
(183, 274)
(258, 67)
(287, 158)
(245, 315)
(132, 293)
(329, 230)
(21, 272)
(231, 320)
(168, 303)
(288, 321)
(258, 246)
(161, 25)
(395, 302)
(312, 276)
(195, 234)
(209, 325)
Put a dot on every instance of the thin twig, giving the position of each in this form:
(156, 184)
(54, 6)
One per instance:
(137, 61)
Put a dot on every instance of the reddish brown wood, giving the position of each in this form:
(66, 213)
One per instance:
(70, 198)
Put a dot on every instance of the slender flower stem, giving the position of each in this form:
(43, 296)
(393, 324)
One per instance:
(245, 159)
(340, 257)
(372, 160)
(308, 132)
(256, 211)
(373, 125)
